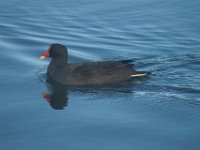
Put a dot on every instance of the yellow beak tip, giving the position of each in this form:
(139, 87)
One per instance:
(42, 57)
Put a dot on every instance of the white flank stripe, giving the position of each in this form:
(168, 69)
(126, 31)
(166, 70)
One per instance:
(138, 75)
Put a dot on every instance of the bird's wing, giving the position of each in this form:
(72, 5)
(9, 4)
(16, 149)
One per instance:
(100, 68)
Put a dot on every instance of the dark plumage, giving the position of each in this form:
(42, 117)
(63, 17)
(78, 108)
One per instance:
(87, 73)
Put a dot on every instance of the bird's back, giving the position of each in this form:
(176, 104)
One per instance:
(91, 73)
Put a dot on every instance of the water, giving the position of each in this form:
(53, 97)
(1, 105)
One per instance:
(159, 112)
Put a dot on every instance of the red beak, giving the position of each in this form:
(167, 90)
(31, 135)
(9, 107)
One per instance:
(45, 55)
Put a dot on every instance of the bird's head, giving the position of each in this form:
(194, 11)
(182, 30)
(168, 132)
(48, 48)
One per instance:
(55, 51)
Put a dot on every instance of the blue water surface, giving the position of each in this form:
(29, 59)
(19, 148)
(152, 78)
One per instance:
(161, 112)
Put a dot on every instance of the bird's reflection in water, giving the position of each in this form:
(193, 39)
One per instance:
(57, 94)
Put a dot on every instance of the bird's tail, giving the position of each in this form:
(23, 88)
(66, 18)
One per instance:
(140, 74)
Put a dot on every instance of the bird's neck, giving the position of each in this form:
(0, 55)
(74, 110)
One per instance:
(55, 65)
(59, 61)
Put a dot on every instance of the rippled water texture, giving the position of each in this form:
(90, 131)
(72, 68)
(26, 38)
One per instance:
(158, 112)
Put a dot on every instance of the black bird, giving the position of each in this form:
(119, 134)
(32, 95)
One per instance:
(87, 73)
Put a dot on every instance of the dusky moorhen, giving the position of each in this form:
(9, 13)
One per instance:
(87, 73)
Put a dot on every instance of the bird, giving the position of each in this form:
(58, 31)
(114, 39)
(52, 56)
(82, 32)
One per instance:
(95, 73)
